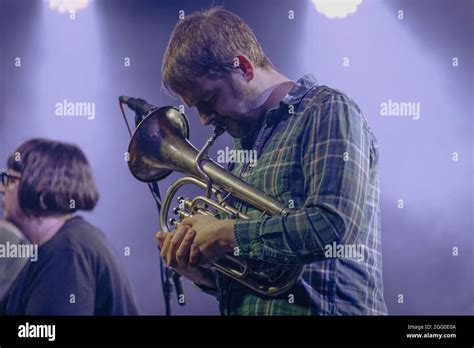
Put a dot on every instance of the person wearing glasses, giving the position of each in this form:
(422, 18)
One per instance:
(76, 271)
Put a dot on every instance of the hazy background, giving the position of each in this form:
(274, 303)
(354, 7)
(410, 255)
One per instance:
(409, 60)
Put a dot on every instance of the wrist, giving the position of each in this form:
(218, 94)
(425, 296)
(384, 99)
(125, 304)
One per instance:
(206, 279)
(229, 243)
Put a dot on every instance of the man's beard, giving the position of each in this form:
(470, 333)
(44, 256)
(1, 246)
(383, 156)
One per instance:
(236, 132)
(243, 124)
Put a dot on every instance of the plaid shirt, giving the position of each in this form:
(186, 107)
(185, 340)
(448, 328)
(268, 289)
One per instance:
(317, 154)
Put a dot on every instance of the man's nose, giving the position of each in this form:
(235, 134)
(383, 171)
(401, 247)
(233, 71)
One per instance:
(205, 118)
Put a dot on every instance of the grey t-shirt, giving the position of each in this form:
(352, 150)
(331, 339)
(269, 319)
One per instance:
(10, 266)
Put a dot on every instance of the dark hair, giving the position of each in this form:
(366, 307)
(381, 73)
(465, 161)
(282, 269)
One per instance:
(56, 178)
(207, 41)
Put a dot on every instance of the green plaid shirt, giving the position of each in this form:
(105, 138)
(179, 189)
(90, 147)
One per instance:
(317, 154)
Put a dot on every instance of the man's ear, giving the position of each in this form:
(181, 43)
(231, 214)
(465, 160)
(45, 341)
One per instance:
(245, 65)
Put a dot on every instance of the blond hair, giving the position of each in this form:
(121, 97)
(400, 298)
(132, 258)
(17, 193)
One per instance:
(208, 41)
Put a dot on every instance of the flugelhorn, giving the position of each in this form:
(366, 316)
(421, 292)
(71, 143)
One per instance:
(158, 147)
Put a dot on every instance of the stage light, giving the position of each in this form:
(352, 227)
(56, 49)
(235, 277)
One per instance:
(336, 8)
(67, 6)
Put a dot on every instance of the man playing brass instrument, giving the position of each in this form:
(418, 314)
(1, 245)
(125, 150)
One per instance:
(316, 153)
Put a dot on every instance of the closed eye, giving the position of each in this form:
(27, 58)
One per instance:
(208, 104)
(211, 100)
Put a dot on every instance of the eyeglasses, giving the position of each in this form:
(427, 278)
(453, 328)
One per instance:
(7, 177)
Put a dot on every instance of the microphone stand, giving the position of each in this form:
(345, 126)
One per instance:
(169, 278)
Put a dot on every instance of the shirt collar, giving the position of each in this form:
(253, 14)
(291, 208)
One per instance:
(302, 87)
